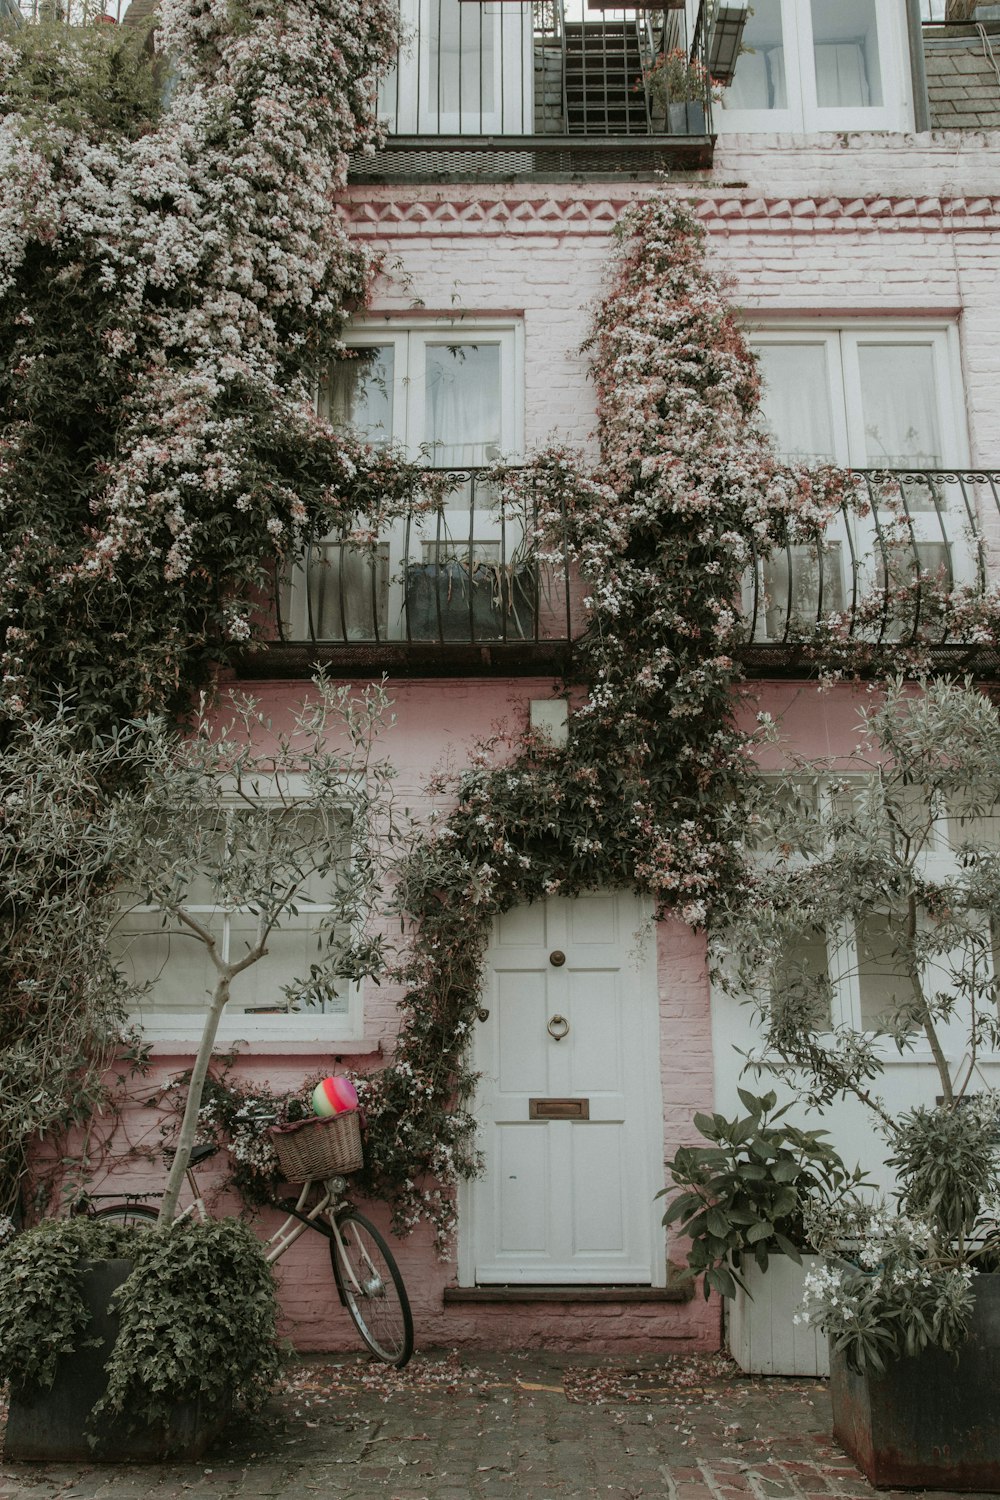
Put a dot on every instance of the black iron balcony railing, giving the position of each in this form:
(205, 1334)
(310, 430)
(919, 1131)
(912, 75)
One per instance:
(464, 582)
(911, 557)
(541, 86)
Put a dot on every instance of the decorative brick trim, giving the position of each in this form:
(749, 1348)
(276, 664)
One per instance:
(721, 212)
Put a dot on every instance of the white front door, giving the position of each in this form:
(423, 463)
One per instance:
(569, 1103)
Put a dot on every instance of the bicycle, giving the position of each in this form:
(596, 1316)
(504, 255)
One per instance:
(368, 1280)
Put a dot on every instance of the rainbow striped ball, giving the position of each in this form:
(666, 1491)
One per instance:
(334, 1095)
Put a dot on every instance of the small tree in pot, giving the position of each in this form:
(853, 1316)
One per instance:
(749, 1192)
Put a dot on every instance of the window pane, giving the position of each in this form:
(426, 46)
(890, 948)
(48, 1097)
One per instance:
(802, 586)
(922, 573)
(348, 592)
(759, 82)
(904, 813)
(802, 974)
(899, 401)
(796, 400)
(291, 949)
(174, 963)
(882, 978)
(973, 823)
(358, 392)
(845, 49)
(463, 403)
(462, 40)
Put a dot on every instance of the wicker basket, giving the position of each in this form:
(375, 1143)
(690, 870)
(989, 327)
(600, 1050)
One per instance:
(320, 1147)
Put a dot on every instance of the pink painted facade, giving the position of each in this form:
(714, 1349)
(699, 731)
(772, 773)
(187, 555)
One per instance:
(891, 231)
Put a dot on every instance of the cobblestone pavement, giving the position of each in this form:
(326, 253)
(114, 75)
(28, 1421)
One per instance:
(534, 1427)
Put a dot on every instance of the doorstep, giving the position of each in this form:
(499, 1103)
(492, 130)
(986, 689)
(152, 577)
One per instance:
(679, 1293)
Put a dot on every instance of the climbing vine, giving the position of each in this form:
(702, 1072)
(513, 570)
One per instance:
(173, 275)
(649, 790)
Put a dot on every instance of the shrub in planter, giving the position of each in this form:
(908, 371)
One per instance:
(746, 1194)
(195, 1318)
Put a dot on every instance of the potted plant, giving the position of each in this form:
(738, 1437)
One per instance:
(677, 88)
(891, 863)
(448, 599)
(742, 1202)
(132, 1345)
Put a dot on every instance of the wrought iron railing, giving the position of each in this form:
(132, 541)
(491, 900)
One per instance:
(526, 70)
(906, 547)
(469, 570)
(908, 557)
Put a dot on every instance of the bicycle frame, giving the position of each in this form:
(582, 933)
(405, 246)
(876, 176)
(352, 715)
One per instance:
(368, 1280)
(322, 1217)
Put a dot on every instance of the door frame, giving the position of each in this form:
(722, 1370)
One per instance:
(647, 1089)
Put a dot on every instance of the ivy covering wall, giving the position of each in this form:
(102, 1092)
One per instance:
(173, 273)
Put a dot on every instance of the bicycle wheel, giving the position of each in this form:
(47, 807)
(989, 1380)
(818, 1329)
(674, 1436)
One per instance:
(129, 1215)
(372, 1289)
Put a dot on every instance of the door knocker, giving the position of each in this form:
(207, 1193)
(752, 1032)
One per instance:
(558, 1028)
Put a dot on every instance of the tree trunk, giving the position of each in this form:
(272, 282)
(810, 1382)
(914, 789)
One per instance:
(192, 1108)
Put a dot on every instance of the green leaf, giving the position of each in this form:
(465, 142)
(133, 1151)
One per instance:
(761, 1231)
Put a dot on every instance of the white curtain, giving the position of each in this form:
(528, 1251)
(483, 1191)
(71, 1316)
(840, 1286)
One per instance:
(900, 408)
(796, 402)
(462, 412)
(841, 76)
(749, 88)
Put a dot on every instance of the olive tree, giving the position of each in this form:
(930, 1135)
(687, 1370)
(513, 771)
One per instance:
(147, 831)
(868, 927)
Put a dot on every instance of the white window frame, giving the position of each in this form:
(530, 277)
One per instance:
(405, 544)
(803, 114)
(304, 1030)
(842, 342)
(410, 340)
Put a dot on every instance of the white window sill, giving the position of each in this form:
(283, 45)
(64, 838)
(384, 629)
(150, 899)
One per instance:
(161, 1047)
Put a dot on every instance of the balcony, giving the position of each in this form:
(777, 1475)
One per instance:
(521, 90)
(465, 588)
(908, 561)
(460, 589)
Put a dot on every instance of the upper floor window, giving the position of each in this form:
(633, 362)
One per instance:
(450, 395)
(447, 396)
(867, 396)
(463, 68)
(877, 397)
(811, 65)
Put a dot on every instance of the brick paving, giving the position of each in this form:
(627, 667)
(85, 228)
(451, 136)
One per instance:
(536, 1426)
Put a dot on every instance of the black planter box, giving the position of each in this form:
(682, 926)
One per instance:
(50, 1426)
(447, 602)
(930, 1422)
